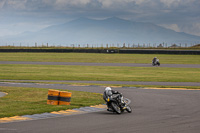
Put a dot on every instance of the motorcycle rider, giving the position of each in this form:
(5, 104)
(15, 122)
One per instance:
(155, 60)
(109, 93)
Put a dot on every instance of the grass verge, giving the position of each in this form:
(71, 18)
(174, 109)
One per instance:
(100, 58)
(98, 73)
(23, 101)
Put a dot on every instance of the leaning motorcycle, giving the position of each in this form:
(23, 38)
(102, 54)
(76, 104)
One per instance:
(118, 104)
(154, 63)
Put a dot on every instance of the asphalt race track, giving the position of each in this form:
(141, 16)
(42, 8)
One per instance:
(118, 82)
(154, 111)
(102, 64)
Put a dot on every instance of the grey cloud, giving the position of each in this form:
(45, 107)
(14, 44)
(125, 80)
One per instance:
(163, 12)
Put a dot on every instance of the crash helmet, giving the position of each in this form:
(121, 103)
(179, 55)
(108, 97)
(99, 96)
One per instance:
(108, 89)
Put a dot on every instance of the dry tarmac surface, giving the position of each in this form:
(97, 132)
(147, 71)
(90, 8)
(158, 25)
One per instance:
(154, 110)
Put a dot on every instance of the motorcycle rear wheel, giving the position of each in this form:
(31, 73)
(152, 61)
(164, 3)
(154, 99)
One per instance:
(116, 108)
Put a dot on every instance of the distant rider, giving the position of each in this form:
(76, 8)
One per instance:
(155, 59)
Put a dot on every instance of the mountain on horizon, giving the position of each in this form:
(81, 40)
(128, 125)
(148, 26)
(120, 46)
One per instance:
(108, 31)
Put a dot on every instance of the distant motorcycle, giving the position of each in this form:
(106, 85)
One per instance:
(156, 62)
(117, 103)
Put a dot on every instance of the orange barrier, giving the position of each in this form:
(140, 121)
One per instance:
(53, 97)
(65, 98)
(56, 97)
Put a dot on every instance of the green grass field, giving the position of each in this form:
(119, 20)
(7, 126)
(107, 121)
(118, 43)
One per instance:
(100, 58)
(101, 73)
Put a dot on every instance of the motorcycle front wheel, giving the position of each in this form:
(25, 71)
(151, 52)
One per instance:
(128, 109)
(116, 108)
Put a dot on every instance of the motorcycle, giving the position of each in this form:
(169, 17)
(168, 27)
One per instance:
(118, 104)
(156, 62)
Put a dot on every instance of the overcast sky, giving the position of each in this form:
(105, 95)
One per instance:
(17, 16)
